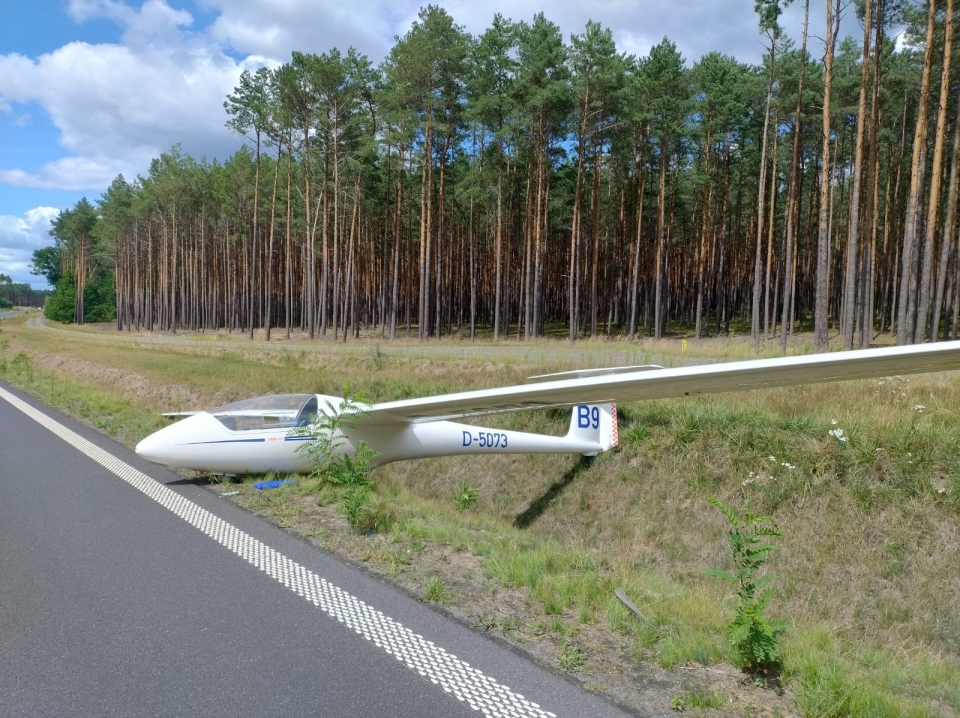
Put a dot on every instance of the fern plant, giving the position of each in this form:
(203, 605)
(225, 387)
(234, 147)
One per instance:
(753, 635)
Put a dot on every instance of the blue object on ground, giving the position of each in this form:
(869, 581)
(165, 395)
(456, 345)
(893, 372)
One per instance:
(261, 485)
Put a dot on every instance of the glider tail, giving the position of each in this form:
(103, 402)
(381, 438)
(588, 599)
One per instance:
(594, 425)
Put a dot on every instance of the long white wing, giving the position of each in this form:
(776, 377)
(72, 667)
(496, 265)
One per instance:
(667, 383)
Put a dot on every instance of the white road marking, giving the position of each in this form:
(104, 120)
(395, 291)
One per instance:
(479, 691)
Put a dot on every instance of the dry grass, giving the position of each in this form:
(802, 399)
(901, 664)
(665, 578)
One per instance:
(870, 552)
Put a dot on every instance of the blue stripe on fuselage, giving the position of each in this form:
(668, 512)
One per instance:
(229, 441)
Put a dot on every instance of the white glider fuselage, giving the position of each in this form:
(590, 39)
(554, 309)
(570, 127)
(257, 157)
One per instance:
(217, 441)
(262, 434)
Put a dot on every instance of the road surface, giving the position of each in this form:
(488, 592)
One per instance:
(127, 591)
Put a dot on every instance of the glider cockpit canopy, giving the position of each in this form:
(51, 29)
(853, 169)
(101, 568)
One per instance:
(277, 411)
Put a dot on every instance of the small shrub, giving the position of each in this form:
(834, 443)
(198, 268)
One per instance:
(328, 433)
(754, 636)
(466, 497)
(353, 505)
(22, 365)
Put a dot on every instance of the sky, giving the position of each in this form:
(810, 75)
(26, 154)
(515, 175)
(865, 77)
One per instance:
(90, 89)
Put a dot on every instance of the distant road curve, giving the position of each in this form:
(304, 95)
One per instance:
(4, 315)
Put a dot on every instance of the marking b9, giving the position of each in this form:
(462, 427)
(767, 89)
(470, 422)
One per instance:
(588, 417)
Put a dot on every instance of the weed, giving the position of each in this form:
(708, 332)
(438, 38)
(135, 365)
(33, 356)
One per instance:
(378, 516)
(697, 698)
(327, 494)
(328, 433)
(569, 657)
(466, 497)
(753, 635)
(378, 357)
(437, 591)
(22, 365)
(353, 506)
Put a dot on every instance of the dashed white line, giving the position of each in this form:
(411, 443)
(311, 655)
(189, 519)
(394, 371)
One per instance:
(481, 692)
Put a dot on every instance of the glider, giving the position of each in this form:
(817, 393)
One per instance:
(262, 434)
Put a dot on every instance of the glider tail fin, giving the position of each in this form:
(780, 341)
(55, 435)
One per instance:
(594, 425)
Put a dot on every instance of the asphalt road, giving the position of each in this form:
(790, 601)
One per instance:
(127, 591)
(4, 315)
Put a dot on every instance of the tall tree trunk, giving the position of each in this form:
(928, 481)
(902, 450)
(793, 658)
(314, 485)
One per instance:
(575, 222)
(635, 270)
(795, 189)
(853, 236)
(661, 241)
(253, 245)
(948, 247)
(595, 255)
(397, 232)
(906, 319)
(822, 279)
(288, 256)
(933, 199)
(426, 196)
(267, 314)
(771, 224)
(871, 218)
(757, 263)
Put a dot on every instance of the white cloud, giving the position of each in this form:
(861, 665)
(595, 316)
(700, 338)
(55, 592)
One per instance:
(155, 20)
(117, 106)
(275, 29)
(31, 230)
(19, 237)
(72, 173)
(696, 26)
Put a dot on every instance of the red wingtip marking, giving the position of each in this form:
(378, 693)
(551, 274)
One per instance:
(616, 429)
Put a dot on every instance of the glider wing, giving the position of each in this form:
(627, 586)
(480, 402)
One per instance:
(645, 383)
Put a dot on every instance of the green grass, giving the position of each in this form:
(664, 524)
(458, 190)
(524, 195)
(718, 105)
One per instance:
(437, 591)
(868, 562)
(697, 698)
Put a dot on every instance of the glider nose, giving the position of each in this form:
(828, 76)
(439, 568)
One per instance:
(152, 447)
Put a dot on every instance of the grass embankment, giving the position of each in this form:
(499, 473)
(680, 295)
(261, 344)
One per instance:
(869, 557)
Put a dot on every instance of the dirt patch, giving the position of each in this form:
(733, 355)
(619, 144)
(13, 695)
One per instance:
(130, 384)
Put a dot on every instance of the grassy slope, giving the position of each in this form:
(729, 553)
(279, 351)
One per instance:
(869, 561)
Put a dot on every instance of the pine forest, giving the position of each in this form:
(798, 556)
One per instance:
(520, 184)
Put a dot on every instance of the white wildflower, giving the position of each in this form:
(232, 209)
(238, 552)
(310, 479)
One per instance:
(837, 434)
(919, 407)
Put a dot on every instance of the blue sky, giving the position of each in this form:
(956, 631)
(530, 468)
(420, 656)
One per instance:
(94, 88)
